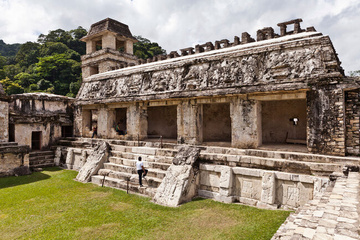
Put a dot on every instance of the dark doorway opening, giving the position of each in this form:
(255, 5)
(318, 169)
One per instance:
(284, 121)
(11, 133)
(66, 131)
(216, 122)
(36, 141)
(120, 121)
(162, 121)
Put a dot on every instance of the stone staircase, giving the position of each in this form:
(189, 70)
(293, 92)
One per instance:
(120, 170)
(40, 159)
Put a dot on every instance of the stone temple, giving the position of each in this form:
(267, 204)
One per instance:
(269, 121)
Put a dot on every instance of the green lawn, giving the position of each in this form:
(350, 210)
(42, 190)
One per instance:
(51, 205)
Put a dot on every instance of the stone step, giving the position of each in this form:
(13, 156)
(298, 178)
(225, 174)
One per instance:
(40, 153)
(7, 144)
(41, 157)
(122, 184)
(42, 161)
(120, 168)
(74, 143)
(132, 163)
(223, 150)
(147, 158)
(152, 181)
(297, 156)
(319, 169)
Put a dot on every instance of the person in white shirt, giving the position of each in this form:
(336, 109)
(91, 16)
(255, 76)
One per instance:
(141, 170)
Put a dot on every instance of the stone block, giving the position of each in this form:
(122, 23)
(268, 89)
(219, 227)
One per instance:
(268, 188)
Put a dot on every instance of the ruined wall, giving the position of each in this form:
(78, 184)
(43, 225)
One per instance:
(256, 187)
(13, 157)
(245, 123)
(325, 126)
(4, 121)
(39, 112)
(352, 114)
(49, 133)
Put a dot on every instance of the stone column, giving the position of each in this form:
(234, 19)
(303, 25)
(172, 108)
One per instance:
(226, 180)
(245, 123)
(189, 122)
(109, 41)
(136, 123)
(268, 188)
(106, 121)
(129, 47)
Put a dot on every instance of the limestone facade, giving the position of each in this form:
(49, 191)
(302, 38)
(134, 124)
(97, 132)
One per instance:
(287, 88)
(38, 119)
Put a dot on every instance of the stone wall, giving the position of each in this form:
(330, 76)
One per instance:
(39, 112)
(12, 158)
(325, 126)
(257, 187)
(4, 121)
(352, 114)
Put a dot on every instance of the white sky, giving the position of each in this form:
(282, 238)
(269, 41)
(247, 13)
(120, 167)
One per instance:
(176, 24)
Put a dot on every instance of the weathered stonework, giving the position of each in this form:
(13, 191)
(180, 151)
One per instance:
(48, 115)
(241, 82)
(352, 124)
(179, 184)
(261, 188)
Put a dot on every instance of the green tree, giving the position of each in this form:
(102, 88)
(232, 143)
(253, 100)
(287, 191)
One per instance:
(144, 48)
(60, 70)
(25, 79)
(11, 87)
(28, 54)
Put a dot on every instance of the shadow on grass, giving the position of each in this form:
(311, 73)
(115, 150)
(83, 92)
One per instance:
(13, 181)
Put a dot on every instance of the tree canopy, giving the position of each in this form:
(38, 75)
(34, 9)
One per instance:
(52, 64)
(145, 49)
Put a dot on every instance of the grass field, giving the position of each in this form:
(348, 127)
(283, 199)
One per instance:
(51, 205)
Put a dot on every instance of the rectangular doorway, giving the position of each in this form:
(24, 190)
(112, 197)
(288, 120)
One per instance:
(36, 140)
(121, 128)
(216, 122)
(284, 121)
(162, 121)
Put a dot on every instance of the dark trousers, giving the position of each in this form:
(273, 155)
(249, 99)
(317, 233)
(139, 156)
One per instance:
(140, 172)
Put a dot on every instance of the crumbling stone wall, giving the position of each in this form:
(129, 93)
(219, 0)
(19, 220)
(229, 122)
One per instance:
(12, 158)
(4, 120)
(39, 112)
(352, 114)
(325, 126)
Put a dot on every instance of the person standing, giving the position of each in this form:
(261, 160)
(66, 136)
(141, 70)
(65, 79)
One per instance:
(141, 170)
(94, 132)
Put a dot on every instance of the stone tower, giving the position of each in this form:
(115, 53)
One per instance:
(109, 46)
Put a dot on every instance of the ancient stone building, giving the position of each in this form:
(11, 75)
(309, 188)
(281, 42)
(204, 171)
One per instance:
(39, 119)
(283, 88)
